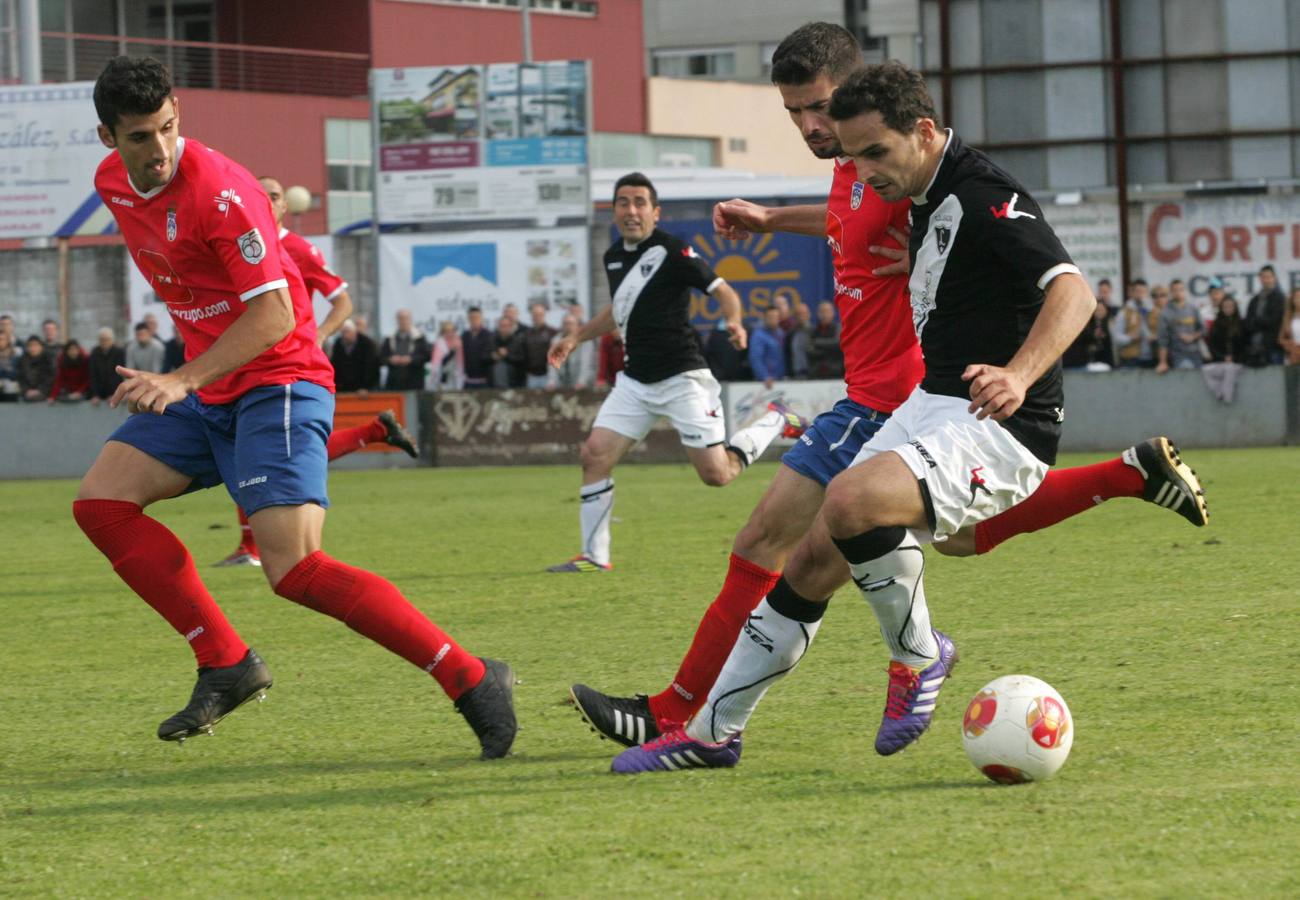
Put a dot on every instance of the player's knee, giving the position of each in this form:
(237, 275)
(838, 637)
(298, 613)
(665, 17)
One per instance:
(846, 513)
(593, 458)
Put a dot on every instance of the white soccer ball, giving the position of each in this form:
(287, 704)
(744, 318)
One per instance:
(1017, 729)
(297, 199)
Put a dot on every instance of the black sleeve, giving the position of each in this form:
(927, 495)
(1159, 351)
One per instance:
(689, 267)
(1010, 225)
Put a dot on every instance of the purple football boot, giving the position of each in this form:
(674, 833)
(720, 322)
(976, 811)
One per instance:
(912, 697)
(677, 750)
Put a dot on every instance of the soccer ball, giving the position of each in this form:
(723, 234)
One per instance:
(1017, 729)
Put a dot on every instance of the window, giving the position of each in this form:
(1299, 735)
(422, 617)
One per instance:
(697, 62)
(347, 162)
(563, 7)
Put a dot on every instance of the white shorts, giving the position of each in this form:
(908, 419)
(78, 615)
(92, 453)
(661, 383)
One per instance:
(692, 401)
(972, 470)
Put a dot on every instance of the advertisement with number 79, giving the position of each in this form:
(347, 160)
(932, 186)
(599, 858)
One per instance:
(482, 142)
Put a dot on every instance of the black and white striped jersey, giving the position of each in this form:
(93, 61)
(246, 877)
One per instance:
(650, 285)
(982, 257)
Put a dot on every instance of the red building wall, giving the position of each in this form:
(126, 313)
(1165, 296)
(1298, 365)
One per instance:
(341, 25)
(420, 34)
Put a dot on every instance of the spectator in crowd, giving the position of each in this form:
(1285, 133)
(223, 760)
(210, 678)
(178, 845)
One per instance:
(1105, 293)
(152, 322)
(509, 354)
(1264, 321)
(71, 374)
(405, 353)
(510, 311)
(104, 360)
(9, 357)
(477, 346)
(145, 353)
(50, 335)
(1227, 335)
(767, 349)
(363, 324)
(447, 367)
(1092, 348)
(355, 359)
(825, 358)
(173, 353)
(1130, 333)
(538, 338)
(1214, 299)
(576, 310)
(578, 371)
(35, 371)
(725, 361)
(796, 342)
(1289, 334)
(786, 317)
(7, 328)
(1180, 333)
(1159, 300)
(610, 359)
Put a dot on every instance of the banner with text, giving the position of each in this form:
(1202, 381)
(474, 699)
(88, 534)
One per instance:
(468, 143)
(1090, 234)
(48, 155)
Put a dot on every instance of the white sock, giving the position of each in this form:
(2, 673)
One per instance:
(753, 439)
(892, 585)
(766, 650)
(597, 505)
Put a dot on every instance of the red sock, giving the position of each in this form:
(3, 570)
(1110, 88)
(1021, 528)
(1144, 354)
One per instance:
(1063, 493)
(157, 566)
(745, 586)
(246, 542)
(373, 607)
(349, 440)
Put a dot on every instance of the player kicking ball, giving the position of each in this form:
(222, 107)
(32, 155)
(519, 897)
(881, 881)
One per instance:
(320, 278)
(651, 274)
(250, 408)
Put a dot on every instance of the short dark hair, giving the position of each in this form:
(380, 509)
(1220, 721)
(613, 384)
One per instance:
(1267, 268)
(472, 309)
(1136, 281)
(815, 49)
(892, 89)
(636, 179)
(1175, 281)
(48, 322)
(141, 326)
(131, 86)
(1105, 281)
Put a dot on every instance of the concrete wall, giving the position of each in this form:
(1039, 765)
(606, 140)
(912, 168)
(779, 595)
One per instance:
(29, 290)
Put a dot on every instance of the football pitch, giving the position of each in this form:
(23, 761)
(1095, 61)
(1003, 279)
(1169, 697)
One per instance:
(1175, 648)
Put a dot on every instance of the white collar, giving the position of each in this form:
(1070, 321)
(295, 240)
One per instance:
(920, 200)
(283, 232)
(154, 192)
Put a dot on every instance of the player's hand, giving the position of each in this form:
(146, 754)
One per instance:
(737, 335)
(902, 263)
(149, 391)
(560, 351)
(737, 219)
(995, 392)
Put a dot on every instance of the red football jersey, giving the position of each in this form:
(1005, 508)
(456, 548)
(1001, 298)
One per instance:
(316, 273)
(882, 359)
(207, 243)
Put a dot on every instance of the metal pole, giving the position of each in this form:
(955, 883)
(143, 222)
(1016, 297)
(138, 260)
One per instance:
(29, 38)
(526, 19)
(64, 293)
(1121, 141)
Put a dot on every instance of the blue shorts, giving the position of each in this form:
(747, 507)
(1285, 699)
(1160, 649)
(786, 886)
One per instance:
(833, 440)
(268, 447)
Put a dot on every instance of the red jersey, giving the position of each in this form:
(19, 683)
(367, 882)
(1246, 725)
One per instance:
(207, 243)
(882, 359)
(316, 273)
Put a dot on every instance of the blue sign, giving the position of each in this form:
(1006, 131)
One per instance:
(430, 260)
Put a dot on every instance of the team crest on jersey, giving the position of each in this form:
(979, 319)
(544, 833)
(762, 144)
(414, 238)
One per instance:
(855, 200)
(646, 269)
(225, 198)
(171, 223)
(252, 247)
(942, 233)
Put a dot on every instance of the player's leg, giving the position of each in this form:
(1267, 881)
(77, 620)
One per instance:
(624, 418)
(382, 428)
(1152, 470)
(287, 512)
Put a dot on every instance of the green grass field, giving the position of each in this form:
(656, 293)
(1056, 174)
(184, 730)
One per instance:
(1174, 647)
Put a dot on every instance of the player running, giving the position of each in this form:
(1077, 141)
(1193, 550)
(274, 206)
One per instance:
(882, 366)
(250, 408)
(320, 278)
(651, 274)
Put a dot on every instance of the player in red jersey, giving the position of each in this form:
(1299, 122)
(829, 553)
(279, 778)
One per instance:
(250, 408)
(320, 279)
(882, 366)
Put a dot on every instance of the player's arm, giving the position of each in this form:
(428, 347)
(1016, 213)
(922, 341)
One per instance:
(738, 219)
(999, 392)
(600, 324)
(340, 309)
(729, 301)
(267, 319)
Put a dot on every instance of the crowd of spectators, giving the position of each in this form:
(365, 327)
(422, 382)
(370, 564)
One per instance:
(784, 344)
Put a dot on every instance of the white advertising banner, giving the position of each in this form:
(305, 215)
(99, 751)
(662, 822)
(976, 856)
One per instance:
(744, 401)
(440, 276)
(1090, 234)
(470, 143)
(49, 151)
(1228, 238)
